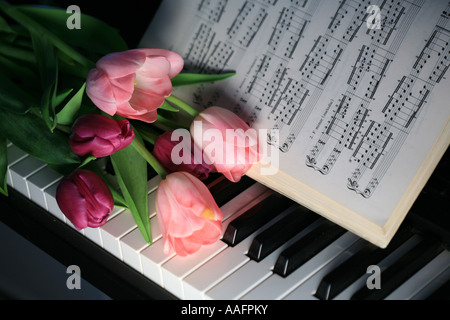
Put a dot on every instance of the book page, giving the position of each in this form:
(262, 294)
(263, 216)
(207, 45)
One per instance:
(357, 91)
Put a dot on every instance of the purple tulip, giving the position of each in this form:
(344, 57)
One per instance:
(163, 152)
(99, 135)
(85, 199)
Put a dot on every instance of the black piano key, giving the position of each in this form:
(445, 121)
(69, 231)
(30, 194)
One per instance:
(442, 293)
(307, 247)
(400, 271)
(254, 218)
(225, 190)
(212, 178)
(356, 266)
(275, 236)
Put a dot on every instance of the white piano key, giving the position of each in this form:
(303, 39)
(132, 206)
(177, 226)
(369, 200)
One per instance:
(23, 169)
(175, 270)
(14, 155)
(52, 205)
(225, 263)
(116, 228)
(153, 183)
(276, 287)
(308, 288)
(421, 279)
(39, 181)
(133, 243)
(152, 259)
(94, 234)
(251, 274)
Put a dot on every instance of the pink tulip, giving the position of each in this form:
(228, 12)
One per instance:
(164, 147)
(85, 199)
(99, 136)
(187, 214)
(133, 83)
(227, 142)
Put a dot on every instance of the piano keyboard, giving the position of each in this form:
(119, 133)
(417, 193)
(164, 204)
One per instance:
(271, 248)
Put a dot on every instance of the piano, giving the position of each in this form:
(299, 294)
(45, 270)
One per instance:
(271, 248)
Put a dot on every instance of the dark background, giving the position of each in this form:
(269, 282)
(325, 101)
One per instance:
(131, 17)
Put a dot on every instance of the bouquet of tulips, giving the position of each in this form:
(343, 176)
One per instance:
(71, 98)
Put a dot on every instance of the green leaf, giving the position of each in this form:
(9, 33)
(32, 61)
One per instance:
(3, 165)
(24, 18)
(20, 72)
(168, 107)
(13, 98)
(48, 70)
(4, 26)
(183, 79)
(131, 173)
(29, 133)
(94, 35)
(70, 111)
(60, 97)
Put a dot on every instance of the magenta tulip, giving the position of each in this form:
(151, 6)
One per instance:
(187, 214)
(85, 199)
(133, 83)
(170, 153)
(228, 143)
(99, 136)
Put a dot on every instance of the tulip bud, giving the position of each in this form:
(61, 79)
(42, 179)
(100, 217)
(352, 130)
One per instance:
(163, 151)
(99, 135)
(85, 199)
(187, 214)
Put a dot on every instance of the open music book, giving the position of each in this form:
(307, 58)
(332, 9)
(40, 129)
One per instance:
(356, 94)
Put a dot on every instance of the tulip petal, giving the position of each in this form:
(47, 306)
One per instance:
(72, 204)
(175, 60)
(99, 90)
(123, 88)
(120, 64)
(154, 86)
(155, 67)
(94, 146)
(145, 101)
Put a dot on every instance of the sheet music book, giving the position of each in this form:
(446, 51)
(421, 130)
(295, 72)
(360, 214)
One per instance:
(358, 92)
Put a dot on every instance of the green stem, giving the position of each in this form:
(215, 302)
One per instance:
(148, 134)
(63, 128)
(183, 105)
(170, 124)
(149, 158)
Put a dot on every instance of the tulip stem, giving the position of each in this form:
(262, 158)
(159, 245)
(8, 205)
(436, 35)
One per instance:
(183, 105)
(149, 158)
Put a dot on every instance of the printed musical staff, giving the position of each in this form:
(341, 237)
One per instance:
(241, 31)
(212, 9)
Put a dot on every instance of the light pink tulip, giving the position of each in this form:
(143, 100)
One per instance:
(133, 83)
(234, 148)
(187, 214)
